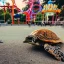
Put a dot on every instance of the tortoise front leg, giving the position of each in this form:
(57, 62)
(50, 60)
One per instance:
(55, 52)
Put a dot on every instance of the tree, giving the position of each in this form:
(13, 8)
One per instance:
(7, 16)
(4, 16)
(1, 11)
(61, 15)
(39, 16)
(23, 18)
(1, 15)
(26, 8)
(58, 2)
(10, 10)
(15, 11)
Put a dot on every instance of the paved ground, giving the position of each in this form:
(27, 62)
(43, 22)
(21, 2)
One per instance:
(14, 51)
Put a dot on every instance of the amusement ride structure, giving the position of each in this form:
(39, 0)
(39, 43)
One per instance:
(34, 8)
(10, 7)
(50, 10)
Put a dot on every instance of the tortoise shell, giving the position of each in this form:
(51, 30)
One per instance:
(46, 36)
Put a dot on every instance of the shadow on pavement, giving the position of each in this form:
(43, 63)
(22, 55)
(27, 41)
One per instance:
(44, 53)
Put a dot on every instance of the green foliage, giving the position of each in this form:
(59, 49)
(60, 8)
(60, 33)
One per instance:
(1, 11)
(4, 16)
(62, 11)
(58, 2)
(1, 16)
(10, 10)
(61, 15)
(7, 16)
(23, 18)
(15, 11)
(26, 8)
(39, 16)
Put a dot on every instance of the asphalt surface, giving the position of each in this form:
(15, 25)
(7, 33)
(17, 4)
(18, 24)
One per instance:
(14, 51)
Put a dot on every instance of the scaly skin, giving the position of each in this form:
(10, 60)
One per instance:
(55, 52)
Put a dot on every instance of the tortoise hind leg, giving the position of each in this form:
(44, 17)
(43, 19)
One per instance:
(62, 56)
(55, 52)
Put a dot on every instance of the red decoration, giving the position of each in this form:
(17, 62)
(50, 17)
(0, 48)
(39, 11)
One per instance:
(27, 16)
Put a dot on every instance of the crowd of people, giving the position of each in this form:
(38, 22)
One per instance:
(47, 23)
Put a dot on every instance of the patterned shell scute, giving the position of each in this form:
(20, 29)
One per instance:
(46, 34)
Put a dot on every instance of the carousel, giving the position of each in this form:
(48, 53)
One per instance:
(50, 12)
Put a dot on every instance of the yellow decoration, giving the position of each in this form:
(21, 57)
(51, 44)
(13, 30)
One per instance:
(51, 8)
(58, 10)
(55, 6)
(44, 6)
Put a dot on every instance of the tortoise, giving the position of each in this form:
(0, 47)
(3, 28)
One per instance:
(48, 39)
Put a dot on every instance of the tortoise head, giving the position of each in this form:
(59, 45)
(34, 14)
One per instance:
(28, 39)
